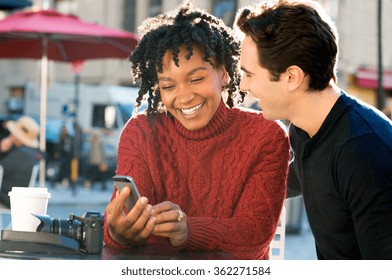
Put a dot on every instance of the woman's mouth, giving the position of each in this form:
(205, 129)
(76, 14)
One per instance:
(190, 111)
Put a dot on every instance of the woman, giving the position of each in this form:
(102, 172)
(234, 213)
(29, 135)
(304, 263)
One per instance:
(211, 176)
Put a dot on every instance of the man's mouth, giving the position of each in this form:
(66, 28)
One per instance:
(192, 110)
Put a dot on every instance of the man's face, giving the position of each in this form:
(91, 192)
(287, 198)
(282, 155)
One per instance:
(272, 96)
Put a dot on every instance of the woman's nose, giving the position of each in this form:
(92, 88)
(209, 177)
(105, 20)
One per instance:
(185, 95)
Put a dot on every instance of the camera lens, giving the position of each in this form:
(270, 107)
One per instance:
(69, 228)
(87, 229)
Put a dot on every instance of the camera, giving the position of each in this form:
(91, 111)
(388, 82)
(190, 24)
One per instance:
(87, 229)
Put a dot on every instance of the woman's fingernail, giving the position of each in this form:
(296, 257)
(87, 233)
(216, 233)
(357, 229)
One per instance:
(143, 200)
(125, 190)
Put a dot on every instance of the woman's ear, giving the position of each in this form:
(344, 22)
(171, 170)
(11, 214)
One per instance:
(224, 76)
(294, 77)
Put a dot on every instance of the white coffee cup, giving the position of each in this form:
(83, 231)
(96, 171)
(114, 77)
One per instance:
(24, 202)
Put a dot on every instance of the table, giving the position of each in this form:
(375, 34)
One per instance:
(161, 252)
(151, 252)
(33, 245)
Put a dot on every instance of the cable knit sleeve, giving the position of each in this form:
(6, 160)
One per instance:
(132, 162)
(248, 232)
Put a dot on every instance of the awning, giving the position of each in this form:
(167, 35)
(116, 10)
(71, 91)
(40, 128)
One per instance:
(368, 78)
(14, 4)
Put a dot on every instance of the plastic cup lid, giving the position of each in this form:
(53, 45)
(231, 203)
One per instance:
(29, 191)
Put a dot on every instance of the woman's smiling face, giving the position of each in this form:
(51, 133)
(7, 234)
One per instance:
(191, 92)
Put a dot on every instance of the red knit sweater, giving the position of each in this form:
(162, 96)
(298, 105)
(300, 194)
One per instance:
(228, 177)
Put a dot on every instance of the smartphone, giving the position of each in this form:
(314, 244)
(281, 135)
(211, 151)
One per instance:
(126, 181)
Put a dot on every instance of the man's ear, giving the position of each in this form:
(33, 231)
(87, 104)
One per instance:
(294, 77)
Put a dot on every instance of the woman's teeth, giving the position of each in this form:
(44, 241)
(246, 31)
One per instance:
(191, 110)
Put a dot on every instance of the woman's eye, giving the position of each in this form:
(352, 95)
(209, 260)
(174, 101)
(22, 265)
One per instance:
(168, 87)
(197, 80)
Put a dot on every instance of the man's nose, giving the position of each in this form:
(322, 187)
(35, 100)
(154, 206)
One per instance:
(244, 84)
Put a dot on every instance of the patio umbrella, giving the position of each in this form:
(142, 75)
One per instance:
(48, 34)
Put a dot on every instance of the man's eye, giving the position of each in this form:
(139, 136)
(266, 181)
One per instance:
(246, 74)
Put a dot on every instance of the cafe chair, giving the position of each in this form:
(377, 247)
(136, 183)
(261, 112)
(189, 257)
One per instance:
(1, 175)
(5, 213)
(1, 182)
(34, 175)
(277, 244)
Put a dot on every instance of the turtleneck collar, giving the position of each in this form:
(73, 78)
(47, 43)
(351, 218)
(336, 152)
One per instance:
(220, 121)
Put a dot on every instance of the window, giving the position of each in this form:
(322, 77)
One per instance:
(155, 8)
(65, 6)
(226, 10)
(15, 102)
(104, 116)
(129, 15)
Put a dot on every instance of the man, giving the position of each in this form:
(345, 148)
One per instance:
(342, 147)
(20, 156)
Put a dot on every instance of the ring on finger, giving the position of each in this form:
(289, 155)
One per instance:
(181, 215)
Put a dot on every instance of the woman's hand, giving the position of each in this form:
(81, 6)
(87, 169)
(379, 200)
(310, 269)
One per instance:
(133, 228)
(171, 222)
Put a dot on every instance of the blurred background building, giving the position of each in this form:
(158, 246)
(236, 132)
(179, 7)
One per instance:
(357, 22)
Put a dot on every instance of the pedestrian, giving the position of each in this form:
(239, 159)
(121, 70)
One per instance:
(97, 165)
(65, 152)
(20, 157)
(342, 146)
(212, 176)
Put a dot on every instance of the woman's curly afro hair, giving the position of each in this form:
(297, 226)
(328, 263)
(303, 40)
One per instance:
(190, 27)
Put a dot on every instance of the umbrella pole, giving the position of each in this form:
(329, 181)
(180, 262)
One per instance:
(44, 84)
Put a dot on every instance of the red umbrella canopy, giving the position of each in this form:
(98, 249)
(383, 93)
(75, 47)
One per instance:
(68, 37)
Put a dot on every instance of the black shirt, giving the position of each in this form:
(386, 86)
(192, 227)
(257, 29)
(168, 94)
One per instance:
(345, 174)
